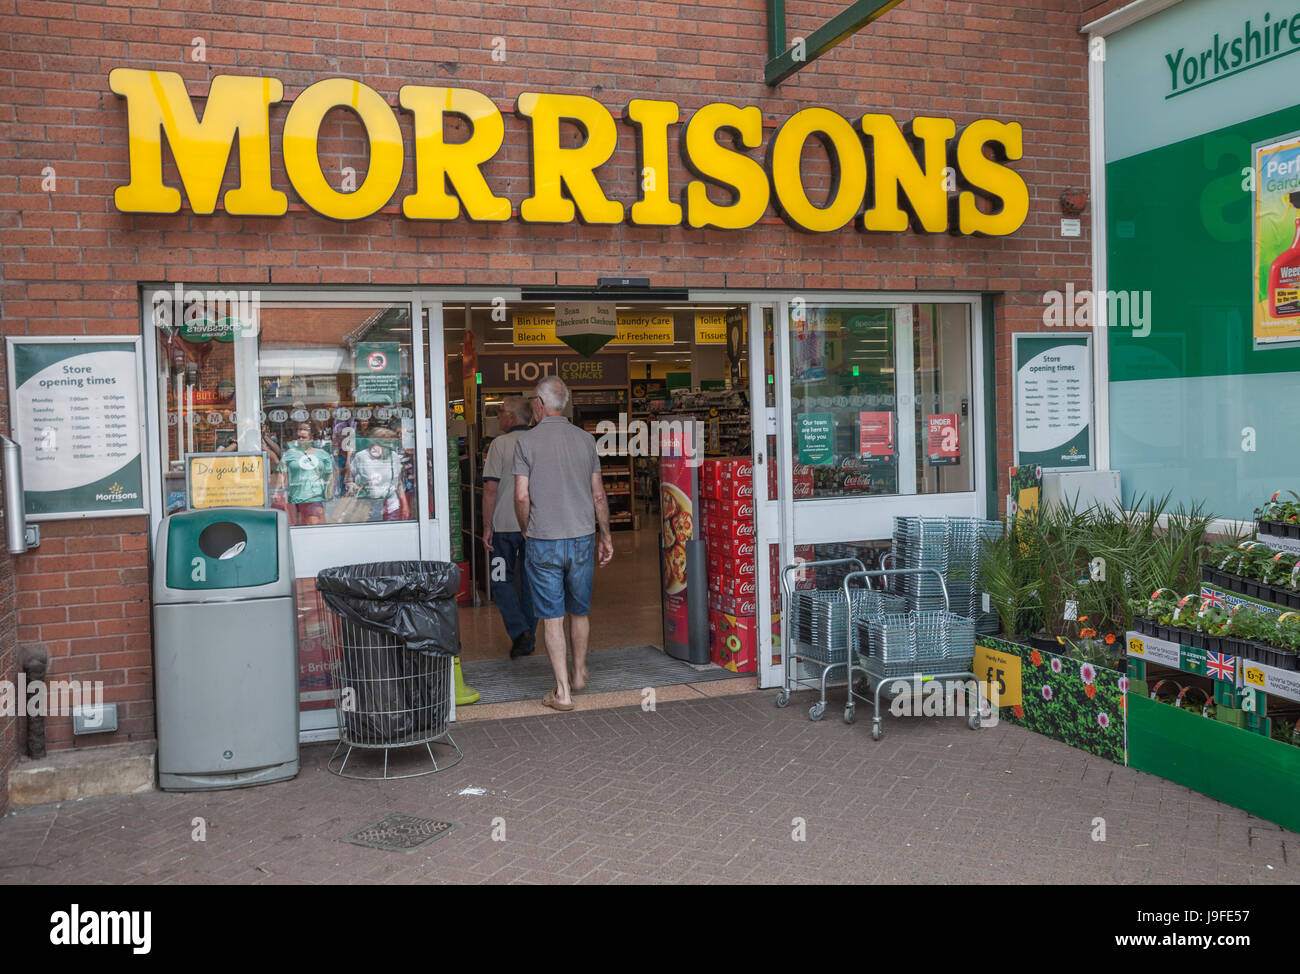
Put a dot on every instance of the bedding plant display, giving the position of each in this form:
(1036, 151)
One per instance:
(1253, 569)
(1197, 621)
(1073, 701)
(1280, 517)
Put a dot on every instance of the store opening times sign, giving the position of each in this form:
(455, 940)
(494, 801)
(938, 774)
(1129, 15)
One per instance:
(77, 417)
(889, 177)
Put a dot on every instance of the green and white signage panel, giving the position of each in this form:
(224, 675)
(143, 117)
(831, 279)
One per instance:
(1053, 401)
(75, 405)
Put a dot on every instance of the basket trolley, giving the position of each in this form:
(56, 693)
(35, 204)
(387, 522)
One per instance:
(889, 646)
(815, 628)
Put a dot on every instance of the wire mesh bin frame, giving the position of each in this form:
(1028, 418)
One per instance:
(414, 704)
(791, 645)
(877, 678)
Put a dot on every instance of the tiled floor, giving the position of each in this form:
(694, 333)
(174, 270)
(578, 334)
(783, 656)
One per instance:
(625, 605)
(710, 789)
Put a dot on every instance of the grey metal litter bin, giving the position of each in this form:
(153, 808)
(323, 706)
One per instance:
(225, 649)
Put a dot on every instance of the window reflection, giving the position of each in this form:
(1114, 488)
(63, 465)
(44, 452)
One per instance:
(325, 391)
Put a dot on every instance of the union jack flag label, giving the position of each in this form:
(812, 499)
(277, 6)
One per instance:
(1221, 666)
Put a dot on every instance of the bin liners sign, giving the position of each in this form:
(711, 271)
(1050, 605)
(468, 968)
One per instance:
(76, 415)
(379, 372)
(1276, 226)
(225, 480)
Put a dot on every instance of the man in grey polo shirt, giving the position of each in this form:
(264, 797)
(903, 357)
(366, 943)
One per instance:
(560, 502)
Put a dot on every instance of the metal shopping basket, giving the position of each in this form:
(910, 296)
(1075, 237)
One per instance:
(921, 645)
(818, 628)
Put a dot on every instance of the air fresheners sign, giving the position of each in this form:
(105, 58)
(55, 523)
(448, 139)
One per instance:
(1276, 265)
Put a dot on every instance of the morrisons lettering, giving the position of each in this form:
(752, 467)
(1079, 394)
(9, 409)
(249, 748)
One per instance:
(927, 176)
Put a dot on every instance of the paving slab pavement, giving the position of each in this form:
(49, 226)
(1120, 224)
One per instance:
(726, 789)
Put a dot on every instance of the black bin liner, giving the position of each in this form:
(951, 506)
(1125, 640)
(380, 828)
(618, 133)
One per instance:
(414, 601)
(402, 613)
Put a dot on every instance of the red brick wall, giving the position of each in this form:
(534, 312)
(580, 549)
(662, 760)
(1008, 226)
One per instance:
(73, 263)
(8, 629)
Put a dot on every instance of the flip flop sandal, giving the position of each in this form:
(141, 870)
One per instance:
(550, 701)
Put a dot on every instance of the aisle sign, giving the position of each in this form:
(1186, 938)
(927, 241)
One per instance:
(76, 414)
(875, 435)
(631, 328)
(1053, 401)
(710, 328)
(816, 439)
(379, 371)
(996, 668)
(943, 444)
(225, 480)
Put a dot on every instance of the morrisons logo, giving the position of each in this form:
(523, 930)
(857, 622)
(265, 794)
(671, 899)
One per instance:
(117, 493)
(1249, 46)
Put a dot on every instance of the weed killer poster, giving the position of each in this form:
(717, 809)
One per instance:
(77, 417)
(1276, 298)
(1053, 401)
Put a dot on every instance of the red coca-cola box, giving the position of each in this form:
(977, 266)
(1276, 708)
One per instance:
(733, 605)
(803, 481)
(733, 642)
(735, 586)
(728, 547)
(732, 509)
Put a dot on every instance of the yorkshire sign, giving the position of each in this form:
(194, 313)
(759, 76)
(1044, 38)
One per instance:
(885, 179)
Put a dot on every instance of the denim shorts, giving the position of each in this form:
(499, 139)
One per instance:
(560, 574)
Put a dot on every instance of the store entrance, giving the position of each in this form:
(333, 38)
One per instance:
(671, 368)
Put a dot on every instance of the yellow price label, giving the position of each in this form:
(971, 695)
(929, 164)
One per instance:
(1136, 646)
(1254, 676)
(999, 673)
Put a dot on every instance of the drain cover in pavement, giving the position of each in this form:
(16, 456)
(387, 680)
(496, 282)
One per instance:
(400, 833)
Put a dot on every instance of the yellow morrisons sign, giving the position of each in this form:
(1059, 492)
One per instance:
(931, 178)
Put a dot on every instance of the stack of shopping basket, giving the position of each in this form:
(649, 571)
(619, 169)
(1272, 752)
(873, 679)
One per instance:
(954, 546)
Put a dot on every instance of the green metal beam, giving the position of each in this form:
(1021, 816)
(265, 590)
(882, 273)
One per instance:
(781, 64)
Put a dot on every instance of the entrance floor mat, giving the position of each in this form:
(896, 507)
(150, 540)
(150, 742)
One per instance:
(609, 670)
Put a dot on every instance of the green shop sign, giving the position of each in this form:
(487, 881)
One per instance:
(816, 439)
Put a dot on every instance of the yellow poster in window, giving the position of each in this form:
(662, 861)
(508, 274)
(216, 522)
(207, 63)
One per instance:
(225, 480)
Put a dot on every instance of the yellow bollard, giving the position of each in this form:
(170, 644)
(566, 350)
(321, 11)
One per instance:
(464, 695)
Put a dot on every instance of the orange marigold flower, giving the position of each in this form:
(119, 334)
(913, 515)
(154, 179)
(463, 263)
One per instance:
(1087, 632)
(1018, 710)
(1090, 690)
(1110, 638)
(1083, 618)
(1036, 658)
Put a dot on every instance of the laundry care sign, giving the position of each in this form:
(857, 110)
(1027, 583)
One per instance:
(925, 175)
(76, 414)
